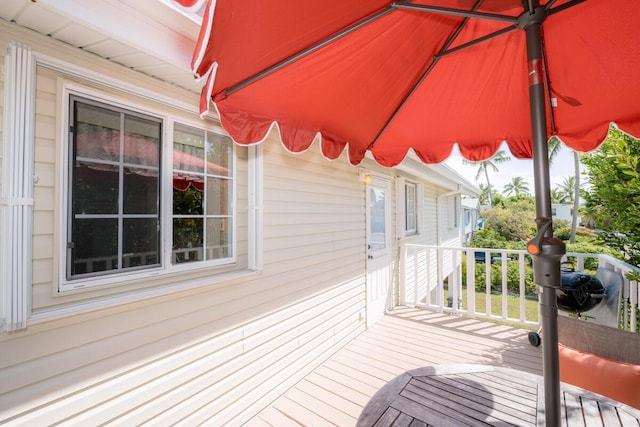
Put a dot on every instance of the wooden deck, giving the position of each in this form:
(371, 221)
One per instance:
(337, 391)
(480, 395)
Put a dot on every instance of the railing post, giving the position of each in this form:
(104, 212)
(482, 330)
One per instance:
(487, 281)
(505, 288)
(440, 284)
(634, 289)
(402, 292)
(471, 284)
(522, 288)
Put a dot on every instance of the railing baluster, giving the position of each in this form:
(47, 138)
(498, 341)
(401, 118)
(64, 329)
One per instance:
(440, 287)
(471, 284)
(487, 281)
(505, 289)
(522, 288)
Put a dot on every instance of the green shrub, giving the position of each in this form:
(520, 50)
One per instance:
(487, 238)
(563, 233)
(513, 277)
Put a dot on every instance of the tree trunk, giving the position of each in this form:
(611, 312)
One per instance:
(576, 197)
(486, 175)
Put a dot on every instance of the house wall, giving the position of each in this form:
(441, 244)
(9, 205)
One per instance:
(219, 349)
(192, 347)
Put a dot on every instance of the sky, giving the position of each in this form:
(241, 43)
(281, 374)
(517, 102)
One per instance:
(561, 168)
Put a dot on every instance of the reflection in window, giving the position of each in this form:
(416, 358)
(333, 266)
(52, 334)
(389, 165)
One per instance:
(114, 204)
(202, 194)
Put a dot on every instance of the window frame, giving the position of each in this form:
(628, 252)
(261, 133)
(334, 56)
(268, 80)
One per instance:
(411, 231)
(166, 267)
(454, 211)
(120, 216)
(401, 207)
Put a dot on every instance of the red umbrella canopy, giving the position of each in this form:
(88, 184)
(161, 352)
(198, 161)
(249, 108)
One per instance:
(380, 76)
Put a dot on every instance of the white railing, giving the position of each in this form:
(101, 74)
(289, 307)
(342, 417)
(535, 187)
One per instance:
(436, 278)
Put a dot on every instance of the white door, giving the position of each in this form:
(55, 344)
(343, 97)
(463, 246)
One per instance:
(378, 248)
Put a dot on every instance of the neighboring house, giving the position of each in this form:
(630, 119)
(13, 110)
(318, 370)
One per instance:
(152, 270)
(563, 211)
(471, 217)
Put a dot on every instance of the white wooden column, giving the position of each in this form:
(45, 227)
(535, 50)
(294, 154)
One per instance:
(16, 198)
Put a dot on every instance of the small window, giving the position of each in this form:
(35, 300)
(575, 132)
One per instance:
(454, 211)
(411, 208)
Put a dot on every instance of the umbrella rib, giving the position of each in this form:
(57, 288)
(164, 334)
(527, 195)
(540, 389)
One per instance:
(444, 51)
(547, 84)
(455, 12)
(306, 51)
(476, 41)
(562, 7)
(548, 89)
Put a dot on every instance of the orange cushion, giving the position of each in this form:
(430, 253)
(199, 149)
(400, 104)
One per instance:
(616, 380)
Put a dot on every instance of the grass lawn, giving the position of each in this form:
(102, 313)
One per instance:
(513, 305)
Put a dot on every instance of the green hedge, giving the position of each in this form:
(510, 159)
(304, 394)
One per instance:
(513, 277)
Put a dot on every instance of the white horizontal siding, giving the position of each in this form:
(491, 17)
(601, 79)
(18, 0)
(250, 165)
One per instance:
(218, 352)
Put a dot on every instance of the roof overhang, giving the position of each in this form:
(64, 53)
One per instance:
(153, 37)
(440, 174)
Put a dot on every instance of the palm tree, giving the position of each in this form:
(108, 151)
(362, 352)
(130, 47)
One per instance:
(483, 198)
(554, 149)
(576, 196)
(555, 145)
(483, 166)
(566, 189)
(517, 186)
(556, 196)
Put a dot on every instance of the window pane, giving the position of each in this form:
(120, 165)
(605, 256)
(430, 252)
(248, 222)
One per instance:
(97, 133)
(95, 245)
(218, 238)
(187, 197)
(202, 190)
(140, 242)
(219, 152)
(218, 196)
(141, 141)
(140, 191)
(188, 148)
(410, 207)
(187, 240)
(95, 189)
(377, 211)
(115, 168)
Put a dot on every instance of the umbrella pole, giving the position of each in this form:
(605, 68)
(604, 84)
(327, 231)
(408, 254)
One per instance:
(546, 250)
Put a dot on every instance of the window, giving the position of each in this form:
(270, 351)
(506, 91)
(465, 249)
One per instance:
(114, 203)
(202, 190)
(454, 212)
(145, 193)
(411, 208)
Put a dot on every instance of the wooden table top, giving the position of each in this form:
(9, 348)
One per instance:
(480, 395)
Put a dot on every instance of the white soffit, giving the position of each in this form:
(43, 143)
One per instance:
(149, 36)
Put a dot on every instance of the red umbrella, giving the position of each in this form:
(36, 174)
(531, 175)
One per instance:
(424, 75)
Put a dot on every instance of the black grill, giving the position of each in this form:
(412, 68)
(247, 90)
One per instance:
(579, 291)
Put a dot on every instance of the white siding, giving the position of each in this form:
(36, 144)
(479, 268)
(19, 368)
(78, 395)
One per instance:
(219, 351)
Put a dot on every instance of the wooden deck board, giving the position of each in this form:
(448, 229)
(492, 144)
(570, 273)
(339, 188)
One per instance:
(420, 394)
(402, 340)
